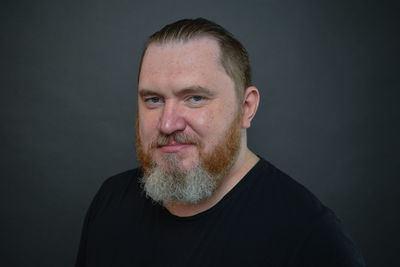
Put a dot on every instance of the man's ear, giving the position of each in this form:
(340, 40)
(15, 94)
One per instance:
(251, 99)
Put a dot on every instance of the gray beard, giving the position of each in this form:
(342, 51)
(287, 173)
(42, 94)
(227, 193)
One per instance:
(176, 185)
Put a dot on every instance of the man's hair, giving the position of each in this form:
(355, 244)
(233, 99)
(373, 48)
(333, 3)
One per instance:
(233, 56)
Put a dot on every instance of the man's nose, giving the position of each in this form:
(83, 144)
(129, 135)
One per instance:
(172, 118)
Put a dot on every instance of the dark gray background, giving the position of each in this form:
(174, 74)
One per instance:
(328, 76)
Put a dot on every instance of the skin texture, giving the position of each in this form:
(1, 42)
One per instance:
(183, 88)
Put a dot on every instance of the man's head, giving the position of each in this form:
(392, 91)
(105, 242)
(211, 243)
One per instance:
(191, 118)
(233, 56)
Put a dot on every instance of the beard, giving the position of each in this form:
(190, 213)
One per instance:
(172, 183)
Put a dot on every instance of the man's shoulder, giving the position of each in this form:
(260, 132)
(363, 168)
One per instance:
(286, 193)
(314, 231)
(116, 189)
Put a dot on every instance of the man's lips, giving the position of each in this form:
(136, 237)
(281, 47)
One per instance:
(174, 147)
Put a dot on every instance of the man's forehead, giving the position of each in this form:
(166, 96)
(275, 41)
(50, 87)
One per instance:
(193, 59)
(204, 46)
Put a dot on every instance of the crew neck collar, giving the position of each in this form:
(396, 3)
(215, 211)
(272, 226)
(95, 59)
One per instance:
(250, 176)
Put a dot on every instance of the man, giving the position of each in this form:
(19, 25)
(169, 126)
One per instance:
(201, 197)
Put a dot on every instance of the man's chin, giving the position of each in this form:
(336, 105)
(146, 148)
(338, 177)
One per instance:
(181, 161)
(178, 166)
(176, 185)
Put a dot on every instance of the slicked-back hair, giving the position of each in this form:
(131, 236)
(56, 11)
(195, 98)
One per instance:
(233, 56)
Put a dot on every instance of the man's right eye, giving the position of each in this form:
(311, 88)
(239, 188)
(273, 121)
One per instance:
(153, 101)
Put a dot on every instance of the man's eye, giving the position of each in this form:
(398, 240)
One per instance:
(153, 100)
(196, 99)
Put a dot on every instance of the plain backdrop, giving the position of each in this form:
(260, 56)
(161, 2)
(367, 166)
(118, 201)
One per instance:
(327, 71)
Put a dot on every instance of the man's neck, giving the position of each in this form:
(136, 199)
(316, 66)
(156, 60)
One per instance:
(244, 163)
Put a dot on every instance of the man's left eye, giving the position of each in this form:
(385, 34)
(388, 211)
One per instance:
(196, 98)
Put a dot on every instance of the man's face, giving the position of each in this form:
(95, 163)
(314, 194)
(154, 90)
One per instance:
(188, 113)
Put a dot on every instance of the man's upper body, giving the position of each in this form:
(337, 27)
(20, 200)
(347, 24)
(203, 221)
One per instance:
(201, 197)
(267, 219)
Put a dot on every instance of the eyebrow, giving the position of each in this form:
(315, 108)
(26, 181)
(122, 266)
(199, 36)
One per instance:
(192, 90)
(147, 92)
(184, 91)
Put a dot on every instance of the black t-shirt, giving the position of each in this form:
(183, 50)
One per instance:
(267, 219)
